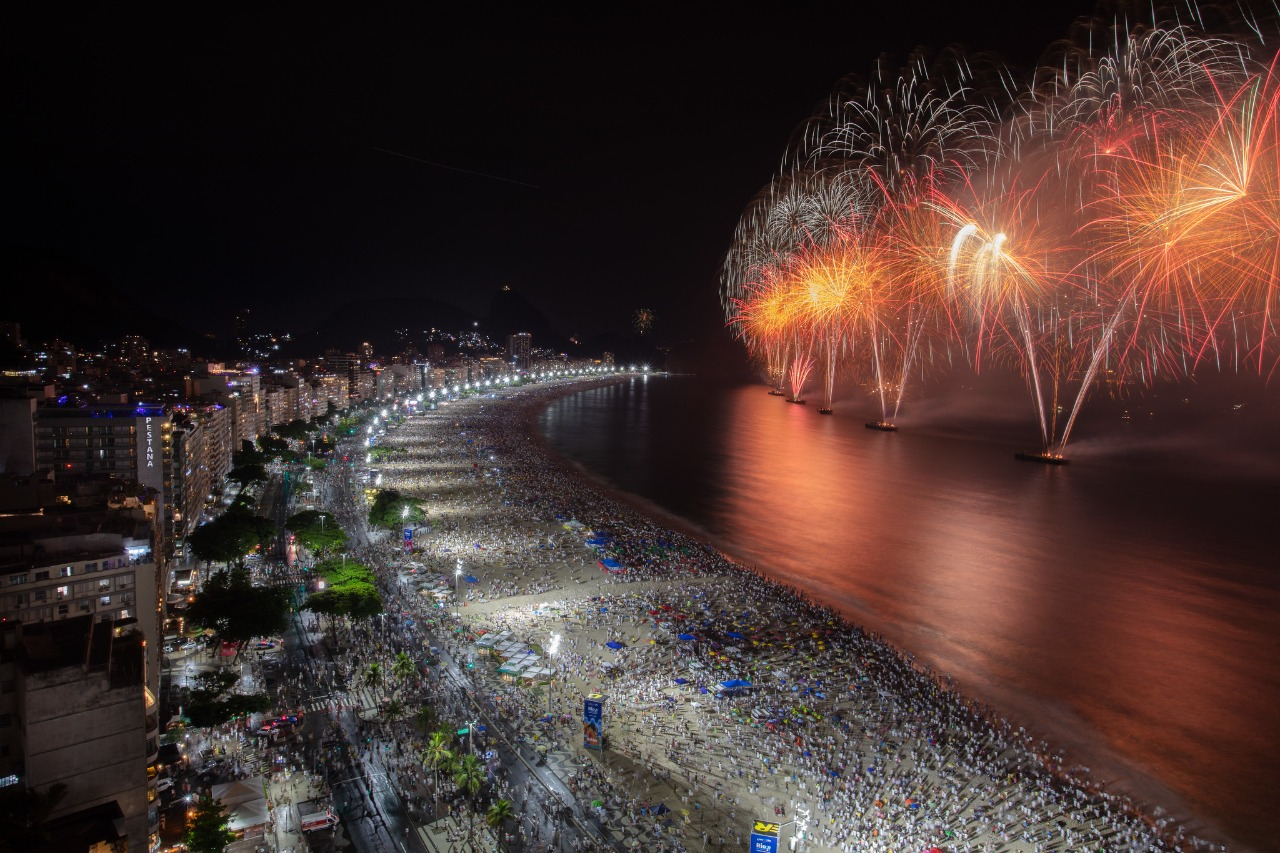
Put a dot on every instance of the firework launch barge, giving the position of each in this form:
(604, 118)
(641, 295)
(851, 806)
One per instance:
(1043, 458)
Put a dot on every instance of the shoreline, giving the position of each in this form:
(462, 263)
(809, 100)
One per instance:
(1071, 804)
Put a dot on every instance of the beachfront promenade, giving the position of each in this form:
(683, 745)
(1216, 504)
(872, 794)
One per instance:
(822, 727)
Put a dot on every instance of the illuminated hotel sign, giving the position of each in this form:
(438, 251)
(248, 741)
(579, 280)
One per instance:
(151, 443)
(149, 427)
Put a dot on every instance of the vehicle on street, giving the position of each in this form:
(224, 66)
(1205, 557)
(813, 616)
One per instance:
(315, 814)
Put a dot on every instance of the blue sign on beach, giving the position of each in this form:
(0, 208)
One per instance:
(592, 723)
(763, 843)
(764, 836)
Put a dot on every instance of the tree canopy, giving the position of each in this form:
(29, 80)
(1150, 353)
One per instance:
(296, 430)
(316, 531)
(391, 509)
(349, 590)
(209, 703)
(230, 537)
(248, 465)
(236, 610)
(209, 830)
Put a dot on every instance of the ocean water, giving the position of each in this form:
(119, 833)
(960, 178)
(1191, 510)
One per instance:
(1125, 607)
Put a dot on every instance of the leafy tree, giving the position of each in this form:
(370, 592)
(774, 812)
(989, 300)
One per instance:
(248, 465)
(295, 430)
(354, 601)
(394, 709)
(316, 531)
(209, 704)
(381, 453)
(391, 510)
(272, 446)
(24, 816)
(210, 831)
(350, 591)
(237, 611)
(230, 537)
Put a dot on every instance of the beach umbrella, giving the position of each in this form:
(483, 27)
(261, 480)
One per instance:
(685, 637)
(471, 579)
(614, 644)
(682, 681)
(595, 804)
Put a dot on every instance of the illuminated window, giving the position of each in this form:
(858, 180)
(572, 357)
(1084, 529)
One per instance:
(66, 572)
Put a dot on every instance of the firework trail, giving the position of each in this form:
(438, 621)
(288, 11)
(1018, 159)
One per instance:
(1116, 217)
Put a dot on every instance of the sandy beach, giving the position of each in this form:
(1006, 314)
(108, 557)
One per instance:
(727, 698)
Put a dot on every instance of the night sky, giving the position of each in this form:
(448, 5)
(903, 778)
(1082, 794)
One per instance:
(296, 158)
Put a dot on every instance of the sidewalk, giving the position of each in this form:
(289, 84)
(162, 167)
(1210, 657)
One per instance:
(436, 835)
(285, 790)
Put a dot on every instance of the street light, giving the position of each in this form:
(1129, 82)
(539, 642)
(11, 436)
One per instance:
(456, 576)
(551, 650)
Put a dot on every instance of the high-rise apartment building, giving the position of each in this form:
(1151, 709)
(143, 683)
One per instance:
(85, 718)
(133, 442)
(520, 350)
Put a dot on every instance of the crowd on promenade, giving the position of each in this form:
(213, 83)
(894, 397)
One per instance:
(728, 696)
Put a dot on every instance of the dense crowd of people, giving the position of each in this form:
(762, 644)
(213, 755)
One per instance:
(729, 696)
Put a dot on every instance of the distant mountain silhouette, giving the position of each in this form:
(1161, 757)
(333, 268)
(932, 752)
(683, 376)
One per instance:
(54, 296)
(389, 323)
(510, 313)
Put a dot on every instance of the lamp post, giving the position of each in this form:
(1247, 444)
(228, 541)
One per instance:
(551, 650)
(456, 576)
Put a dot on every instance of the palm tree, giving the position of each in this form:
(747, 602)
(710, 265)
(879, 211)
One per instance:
(402, 667)
(425, 718)
(373, 677)
(437, 755)
(468, 775)
(394, 709)
(497, 815)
